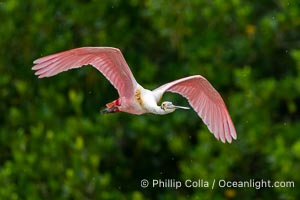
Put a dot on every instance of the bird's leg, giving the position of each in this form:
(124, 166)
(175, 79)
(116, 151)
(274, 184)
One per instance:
(112, 109)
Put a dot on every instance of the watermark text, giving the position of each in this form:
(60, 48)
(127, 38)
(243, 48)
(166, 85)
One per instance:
(221, 183)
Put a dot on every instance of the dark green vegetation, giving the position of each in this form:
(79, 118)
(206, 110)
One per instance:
(54, 144)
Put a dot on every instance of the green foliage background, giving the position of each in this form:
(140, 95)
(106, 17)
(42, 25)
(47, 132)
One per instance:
(54, 144)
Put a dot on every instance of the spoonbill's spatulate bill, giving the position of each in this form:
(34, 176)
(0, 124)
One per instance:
(135, 99)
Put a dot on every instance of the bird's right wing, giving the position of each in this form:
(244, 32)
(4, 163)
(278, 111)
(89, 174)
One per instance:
(108, 60)
(206, 101)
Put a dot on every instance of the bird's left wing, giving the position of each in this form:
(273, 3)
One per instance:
(108, 60)
(206, 101)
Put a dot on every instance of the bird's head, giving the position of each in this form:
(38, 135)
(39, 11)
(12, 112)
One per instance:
(168, 107)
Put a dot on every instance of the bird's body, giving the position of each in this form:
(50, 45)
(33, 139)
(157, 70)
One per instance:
(136, 103)
(135, 99)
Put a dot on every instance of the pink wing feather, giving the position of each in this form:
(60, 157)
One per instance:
(207, 102)
(108, 60)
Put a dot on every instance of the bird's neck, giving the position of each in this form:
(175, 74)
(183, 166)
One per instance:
(159, 111)
(148, 101)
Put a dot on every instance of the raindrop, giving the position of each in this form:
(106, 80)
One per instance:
(286, 51)
(273, 17)
(161, 173)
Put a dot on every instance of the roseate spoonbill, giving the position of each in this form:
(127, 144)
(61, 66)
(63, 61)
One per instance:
(135, 99)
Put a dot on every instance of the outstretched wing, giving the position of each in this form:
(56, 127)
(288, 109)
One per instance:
(206, 101)
(108, 60)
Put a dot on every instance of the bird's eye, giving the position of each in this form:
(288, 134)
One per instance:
(163, 106)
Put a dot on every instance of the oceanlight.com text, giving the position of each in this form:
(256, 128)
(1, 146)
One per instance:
(221, 183)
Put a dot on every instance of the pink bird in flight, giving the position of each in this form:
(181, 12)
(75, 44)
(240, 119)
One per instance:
(135, 99)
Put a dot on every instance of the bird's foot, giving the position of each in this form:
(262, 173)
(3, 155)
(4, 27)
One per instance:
(112, 109)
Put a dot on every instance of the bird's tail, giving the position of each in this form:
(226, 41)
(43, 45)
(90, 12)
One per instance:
(113, 103)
